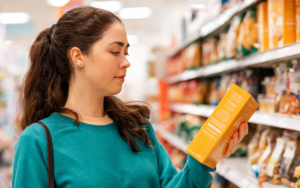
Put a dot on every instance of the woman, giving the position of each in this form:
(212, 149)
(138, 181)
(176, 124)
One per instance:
(99, 141)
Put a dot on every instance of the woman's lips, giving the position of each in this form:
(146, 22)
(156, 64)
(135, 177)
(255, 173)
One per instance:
(120, 78)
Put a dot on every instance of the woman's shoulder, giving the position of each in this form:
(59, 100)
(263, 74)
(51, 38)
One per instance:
(36, 132)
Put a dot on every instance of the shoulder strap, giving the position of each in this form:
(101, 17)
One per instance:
(51, 180)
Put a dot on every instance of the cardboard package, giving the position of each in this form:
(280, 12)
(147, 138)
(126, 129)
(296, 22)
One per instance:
(298, 20)
(210, 144)
(263, 26)
(282, 23)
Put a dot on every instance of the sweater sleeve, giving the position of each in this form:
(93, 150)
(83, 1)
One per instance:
(30, 166)
(193, 175)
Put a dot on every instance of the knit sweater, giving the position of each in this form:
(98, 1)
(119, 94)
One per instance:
(97, 156)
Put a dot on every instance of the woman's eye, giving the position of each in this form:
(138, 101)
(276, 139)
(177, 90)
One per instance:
(115, 53)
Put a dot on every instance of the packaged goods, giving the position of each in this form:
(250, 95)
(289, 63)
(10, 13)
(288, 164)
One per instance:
(295, 171)
(274, 162)
(287, 161)
(263, 26)
(192, 56)
(232, 36)
(266, 103)
(269, 85)
(281, 87)
(236, 107)
(298, 20)
(263, 161)
(222, 46)
(248, 35)
(253, 146)
(210, 51)
(282, 23)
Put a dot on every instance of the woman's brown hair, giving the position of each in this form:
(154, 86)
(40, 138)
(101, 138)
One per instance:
(46, 84)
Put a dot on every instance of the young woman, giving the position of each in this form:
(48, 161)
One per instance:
(76, 67)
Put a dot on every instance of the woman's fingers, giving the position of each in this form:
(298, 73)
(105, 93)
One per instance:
(235, 140)
(242, 131)
(229, 148)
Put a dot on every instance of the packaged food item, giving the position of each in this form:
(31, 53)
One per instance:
(274, 162)
(222, 46)
(210, 51)
(266, 103)
(269, 85)
(248, 35)
(282, 23)
(232, 36)
(298, 20)
(281, 87)
(236, 106)
(295, 172)
(254, 145)
(287, 161)
(263, 161)
(192, 56)
(263, 26)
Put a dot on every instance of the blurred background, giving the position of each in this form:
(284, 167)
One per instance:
(184, 56)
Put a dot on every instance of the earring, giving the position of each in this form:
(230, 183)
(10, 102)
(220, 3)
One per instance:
(76, 67)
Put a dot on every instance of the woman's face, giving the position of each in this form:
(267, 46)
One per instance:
(104, 68)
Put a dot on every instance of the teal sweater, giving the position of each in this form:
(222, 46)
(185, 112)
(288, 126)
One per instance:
(96, 156)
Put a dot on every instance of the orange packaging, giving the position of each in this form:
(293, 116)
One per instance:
(263, 26)
(282, 22)
(298, 20)
(210, 144)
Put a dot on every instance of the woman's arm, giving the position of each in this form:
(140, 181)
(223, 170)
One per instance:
(30, 161)
(194, 174)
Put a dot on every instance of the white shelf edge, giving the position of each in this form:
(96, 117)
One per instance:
(274, 120)
(233, 169)
(260, 58)
(212, 25)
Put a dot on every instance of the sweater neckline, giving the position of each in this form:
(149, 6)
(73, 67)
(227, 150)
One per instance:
(108, 127)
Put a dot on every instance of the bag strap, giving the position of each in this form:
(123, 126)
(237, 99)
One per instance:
(51, 180)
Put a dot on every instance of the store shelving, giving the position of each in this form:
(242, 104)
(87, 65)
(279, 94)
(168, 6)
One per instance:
(235, 170)
(262, 59)
(275, 120)
(213, 25)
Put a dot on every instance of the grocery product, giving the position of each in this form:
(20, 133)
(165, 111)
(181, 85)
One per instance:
(210, 51)
(287, 161)
(274, 164)
(192, 56)
(295, 171)
(253, 146)
(232, 36)
(222, 46)
(298, 20)
(248, 35)
(263, 26)
(263, 161)
(282, 23)
(236, 106)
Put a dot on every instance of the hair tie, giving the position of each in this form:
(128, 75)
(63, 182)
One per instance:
(52, 28)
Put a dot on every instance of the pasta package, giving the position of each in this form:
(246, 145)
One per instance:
(263, 26)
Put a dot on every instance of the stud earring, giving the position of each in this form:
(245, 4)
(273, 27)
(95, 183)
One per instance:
(76, 67)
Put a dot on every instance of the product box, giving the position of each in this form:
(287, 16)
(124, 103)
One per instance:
(210, 144)
(298, 20)
(263, 26)
(282, 22)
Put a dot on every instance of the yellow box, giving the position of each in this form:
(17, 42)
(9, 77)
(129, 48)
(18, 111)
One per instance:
(282, 22)
(298, 20)
(263, 26)
(211, 142)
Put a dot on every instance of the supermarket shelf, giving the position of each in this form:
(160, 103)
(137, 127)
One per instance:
(213, 25)
(275, 120)
(258, 59)
(235, 170)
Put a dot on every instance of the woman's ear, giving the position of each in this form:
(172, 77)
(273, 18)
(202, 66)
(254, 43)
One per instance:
(77, 57)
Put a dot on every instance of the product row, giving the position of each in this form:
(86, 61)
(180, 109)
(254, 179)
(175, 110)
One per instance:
(276, 89)
(269, 25)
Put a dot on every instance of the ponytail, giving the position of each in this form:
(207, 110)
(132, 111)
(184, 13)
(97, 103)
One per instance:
(46, 84)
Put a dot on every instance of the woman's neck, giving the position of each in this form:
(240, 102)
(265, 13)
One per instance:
(85, 101)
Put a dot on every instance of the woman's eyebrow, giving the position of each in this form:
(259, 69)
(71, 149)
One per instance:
(120, 44)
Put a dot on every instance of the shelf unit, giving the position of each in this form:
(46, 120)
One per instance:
(235, 170)
(274, 120)
(213, 25)
(262, 59)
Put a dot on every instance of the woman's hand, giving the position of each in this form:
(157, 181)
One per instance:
(236, 138)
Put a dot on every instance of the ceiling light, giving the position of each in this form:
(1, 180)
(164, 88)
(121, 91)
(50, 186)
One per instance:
(135, 13)
(132, 39)
(113, 6)
(14, 18)
(198, 6)
(57, 3)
